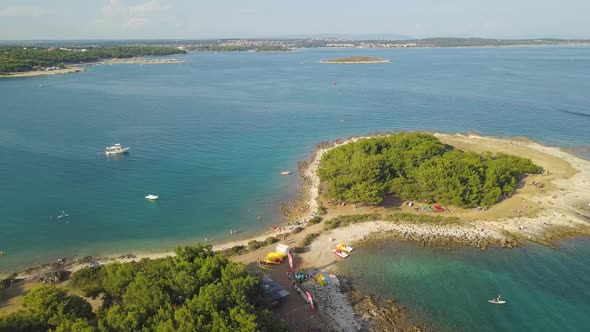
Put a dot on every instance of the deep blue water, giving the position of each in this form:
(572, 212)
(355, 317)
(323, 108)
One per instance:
(211, 135)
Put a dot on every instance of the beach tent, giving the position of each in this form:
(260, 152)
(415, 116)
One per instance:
(272, 292)
(426, 207)
(282, 248)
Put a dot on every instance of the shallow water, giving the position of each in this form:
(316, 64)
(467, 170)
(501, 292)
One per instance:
(545, 289)
(211, 135)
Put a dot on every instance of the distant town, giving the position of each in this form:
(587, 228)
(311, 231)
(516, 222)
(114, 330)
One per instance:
(261, 45)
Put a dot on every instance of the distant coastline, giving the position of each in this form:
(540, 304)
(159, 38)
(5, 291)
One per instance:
(356, 60)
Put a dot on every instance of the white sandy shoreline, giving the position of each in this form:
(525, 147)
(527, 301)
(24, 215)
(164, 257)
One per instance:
(66, 70)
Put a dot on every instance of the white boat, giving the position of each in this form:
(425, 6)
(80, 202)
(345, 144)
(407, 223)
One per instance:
(339, 253)
(115, 149)
(285, 173)
(152, 197)
(494, 301)
(345, 247)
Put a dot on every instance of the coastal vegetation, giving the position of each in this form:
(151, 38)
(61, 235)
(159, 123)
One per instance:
(356, 59)
(417, 166)
(198, 290)
(22, 59)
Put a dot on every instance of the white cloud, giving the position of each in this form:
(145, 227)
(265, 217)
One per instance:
(22, 11)
(247, 11)
(136, 23)
(148, 7)
(122, 15)
(112, 8)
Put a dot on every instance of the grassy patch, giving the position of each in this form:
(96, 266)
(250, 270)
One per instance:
(342, 221)
(421, 218)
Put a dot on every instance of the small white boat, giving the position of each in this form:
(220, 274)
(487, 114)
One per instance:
(115, 149)
(152, 197)
(285, 173)
(339, 253)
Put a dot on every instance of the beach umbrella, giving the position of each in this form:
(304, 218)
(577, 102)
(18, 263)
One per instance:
(310, 301)
(290, 261)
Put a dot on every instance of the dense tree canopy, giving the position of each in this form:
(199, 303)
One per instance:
(198, 290)
(418, 166)
(18, 59)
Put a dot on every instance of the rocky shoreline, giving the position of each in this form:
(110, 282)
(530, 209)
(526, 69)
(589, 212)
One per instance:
(379, 315)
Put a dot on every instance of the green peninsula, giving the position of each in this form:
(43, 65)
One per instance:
(416, 167)
(356, 59)
(25, 59)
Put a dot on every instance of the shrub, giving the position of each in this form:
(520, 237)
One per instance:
(299, 250)
(297, 230)
(235, 250)
(315, 220)
(253, 245)
(270, 240)
(309, 239)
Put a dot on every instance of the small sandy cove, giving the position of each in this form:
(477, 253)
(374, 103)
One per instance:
(547, 206)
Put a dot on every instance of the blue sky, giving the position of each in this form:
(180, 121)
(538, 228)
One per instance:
(122, 19)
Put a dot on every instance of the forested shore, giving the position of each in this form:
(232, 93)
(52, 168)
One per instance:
(24, 59)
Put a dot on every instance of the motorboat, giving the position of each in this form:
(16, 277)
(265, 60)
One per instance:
(152, 197)
(345, 247)
(115, 149)
(339, 253)
(285, 173)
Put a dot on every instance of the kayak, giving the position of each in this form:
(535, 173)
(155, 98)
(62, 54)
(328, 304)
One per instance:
(497, 302)
(266, 267)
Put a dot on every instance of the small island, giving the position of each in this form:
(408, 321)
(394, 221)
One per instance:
(356, 59)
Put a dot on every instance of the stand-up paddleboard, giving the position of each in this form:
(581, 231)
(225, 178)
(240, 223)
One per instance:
(497, 302)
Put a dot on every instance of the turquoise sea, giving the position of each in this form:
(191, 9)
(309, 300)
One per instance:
(545, 289)
(211, 135)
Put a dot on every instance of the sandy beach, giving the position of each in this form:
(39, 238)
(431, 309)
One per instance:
(544, 208)
(67, 70)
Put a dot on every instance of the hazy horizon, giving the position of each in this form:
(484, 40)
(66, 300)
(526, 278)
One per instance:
(184, 19)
